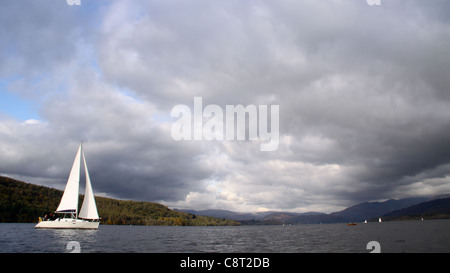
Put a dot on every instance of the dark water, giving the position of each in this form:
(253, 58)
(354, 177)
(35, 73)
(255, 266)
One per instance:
(407, 236)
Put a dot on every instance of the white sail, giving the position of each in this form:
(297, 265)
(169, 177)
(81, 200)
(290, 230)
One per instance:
(88, 208)
(69, 200)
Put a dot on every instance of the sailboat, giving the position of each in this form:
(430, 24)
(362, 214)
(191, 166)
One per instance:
(88, 217)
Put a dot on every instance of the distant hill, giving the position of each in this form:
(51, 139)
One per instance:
(407, 208)
(267, 216)
(226, 214)
(433, 209)
(403, 208)
(22, 202)
(368, 210)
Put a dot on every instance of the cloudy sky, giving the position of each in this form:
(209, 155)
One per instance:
(363, 94)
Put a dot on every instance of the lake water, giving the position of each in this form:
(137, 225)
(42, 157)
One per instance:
(403, 236)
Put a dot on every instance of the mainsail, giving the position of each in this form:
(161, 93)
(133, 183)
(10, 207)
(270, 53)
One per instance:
(69, 201)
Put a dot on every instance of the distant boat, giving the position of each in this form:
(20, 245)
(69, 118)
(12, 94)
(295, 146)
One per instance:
(351, 224)
(88, 217)
(365, 221)
(379, 219)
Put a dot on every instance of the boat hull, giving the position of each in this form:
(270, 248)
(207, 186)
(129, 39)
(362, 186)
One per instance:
(68, 224)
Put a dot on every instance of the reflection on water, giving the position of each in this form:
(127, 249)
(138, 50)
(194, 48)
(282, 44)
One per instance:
(62, 237)
(408, 236)
(24, 238)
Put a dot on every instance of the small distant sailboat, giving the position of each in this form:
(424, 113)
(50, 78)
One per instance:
(379, 220)
(88, 217)
(365, 221)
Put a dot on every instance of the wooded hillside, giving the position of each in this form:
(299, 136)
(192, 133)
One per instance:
(22, 202)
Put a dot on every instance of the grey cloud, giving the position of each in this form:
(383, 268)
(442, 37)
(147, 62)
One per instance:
(362, 92)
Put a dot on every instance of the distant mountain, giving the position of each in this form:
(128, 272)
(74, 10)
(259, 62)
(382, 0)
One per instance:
(288, 216)
(357, 213)
(266, 216)
(226, 214)
(368, 210)
(408, 208)
(433, 209)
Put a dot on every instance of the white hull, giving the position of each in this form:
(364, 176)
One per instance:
(68, 224)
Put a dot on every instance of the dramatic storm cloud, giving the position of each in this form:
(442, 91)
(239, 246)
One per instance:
(363, 95)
